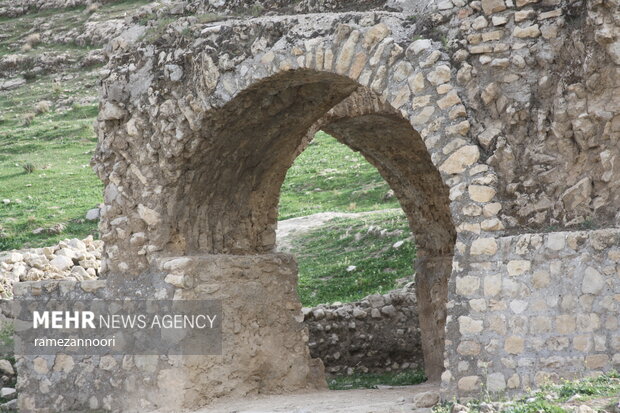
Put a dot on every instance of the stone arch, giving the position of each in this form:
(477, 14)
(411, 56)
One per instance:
(208, 152)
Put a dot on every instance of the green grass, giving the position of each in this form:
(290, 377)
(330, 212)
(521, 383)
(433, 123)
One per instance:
(328, 176)
(537, 406)
(325, 254)
(553, 398)
(605, 385)
(370, 381)
(62, 186)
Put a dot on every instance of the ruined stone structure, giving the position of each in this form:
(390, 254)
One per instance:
(495, 122)
(378, 334)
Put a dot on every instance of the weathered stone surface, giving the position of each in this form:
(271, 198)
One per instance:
(460, 160)
(518, 267)
(6, 368)
(441, 74)
(426, 399)
(496, 382)
(481, 193)
(529, 31)
(514, 345)
(484, 246)
(468, 285)
(493, 6)
(469, 383)
(468, 325)
(593, 281)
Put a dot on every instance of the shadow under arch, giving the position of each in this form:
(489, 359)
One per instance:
(228, 199)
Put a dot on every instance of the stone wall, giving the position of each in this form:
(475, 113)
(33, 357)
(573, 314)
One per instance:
(532, 308)
(378, 334)
(271, 7)
(264, 344)
(492, 132)
(540, 80)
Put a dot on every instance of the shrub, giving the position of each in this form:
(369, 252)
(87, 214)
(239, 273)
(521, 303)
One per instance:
(27, 119)
(42, 107)
(29, 167)
(33, 39)
(92, 8)
(57, 89)
(29, 75)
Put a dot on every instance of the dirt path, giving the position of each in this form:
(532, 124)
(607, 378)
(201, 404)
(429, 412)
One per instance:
(385, 400)
(289, 229)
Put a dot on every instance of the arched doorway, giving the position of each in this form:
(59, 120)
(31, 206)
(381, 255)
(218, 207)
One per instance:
(227, 203)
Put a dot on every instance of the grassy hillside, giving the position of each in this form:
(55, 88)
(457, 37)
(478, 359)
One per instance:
(45, 178)
(328, 176)
(348, 259)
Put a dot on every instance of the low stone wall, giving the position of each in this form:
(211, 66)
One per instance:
(377, 334)
(532, 308)
(263, 345)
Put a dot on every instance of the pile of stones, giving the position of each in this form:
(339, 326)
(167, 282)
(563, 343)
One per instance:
(69, 259)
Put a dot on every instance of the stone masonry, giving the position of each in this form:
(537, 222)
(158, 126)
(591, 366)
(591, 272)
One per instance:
(535, 308)
(495, 122)
(378, 334)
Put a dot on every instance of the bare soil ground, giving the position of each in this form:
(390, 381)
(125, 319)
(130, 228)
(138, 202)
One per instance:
(383, 400)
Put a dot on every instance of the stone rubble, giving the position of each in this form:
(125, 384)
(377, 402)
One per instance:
(352, 337)
(69, 259)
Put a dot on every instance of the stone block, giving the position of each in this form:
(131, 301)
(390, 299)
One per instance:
(460, 160)
(593, 281)
(525, 32)
(493, 6)
(496, 382)
(467, 286)
(469, 383)
(541, 279)
(514, 345)
(468, 325)
(597, 361)
(492, 285)
(518, 267)
(565, 324)
(469, 348)
(481, 193)
(484, 246)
